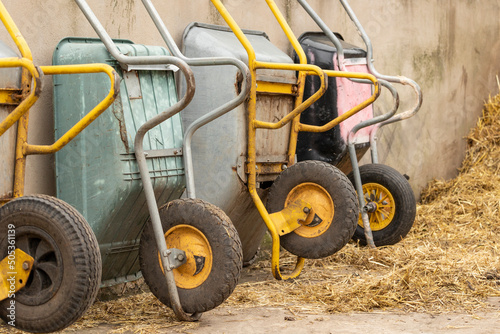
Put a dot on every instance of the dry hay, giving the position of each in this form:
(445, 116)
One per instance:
(448, 262)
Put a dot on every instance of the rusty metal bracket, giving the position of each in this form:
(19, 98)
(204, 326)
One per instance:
(10, 96)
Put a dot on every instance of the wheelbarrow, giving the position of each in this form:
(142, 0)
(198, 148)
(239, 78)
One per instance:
(311, 206)
(61, 258)
(386, 200)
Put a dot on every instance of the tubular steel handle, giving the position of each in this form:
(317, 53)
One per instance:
(14, 33)
(35, 91)
(310, 69)
(369, 57)
(149, 190)
(139, 149)
(91, 116)
(394, 79)
(212, 115)
(303, 60)
(351, 112)
(31, 73)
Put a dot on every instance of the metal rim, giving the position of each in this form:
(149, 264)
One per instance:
(384, 206)
(322, 208)
(199, 258)
(46, 275)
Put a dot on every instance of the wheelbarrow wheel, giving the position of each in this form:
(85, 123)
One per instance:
(213, 251)
(333, 201)
(391, 202)
(66, 274)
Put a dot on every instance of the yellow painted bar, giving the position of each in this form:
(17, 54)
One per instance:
(10, 96)
(14, 33)
(14, 272)
(302, 106)
(29, 96)
(90, 117)
(294, 131)
(237, 31)
(364, 104)
(288, 31)
(20, 164)
(275, 258)
(276, 88)
(26, 104)
(252, 150)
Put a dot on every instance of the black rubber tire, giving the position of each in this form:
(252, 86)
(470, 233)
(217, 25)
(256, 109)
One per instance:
(227, 254)
(342, 193)
(404, 201)
(66, 275)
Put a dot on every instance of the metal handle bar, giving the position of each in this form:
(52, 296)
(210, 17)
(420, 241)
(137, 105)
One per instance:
(254, 64)
(14, 33)
(396, 79)
(310, 69)
(125, 60)
(251, 150)
(303, 60)
(350, 75)
(28, 102)
(212, 115)
(91, 115)
(139, 150)
(358, 184)
(150, 195)
(30, 74)
(379, 121)
(369, 57)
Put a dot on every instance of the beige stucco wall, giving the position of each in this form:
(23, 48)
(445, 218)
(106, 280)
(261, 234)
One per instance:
(450, 47)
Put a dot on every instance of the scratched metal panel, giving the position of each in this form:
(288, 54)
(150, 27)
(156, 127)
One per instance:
(97, 172)
(9, 78)
(273, 143)
(218, 146)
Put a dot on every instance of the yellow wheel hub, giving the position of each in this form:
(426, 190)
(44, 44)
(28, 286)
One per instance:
(198, 253)
(385, 206)
(322, 208)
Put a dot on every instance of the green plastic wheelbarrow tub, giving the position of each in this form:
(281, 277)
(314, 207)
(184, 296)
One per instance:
(97, 172)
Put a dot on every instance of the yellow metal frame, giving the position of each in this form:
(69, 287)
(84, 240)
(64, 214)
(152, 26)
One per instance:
(31, 88)
(303, 70)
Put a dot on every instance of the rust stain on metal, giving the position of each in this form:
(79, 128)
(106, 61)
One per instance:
(117, 110)
(239, 81)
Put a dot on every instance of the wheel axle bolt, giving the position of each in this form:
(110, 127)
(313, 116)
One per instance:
(371, 207)
(26, 266)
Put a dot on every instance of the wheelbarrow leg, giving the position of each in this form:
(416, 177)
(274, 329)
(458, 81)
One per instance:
(169, 257)
(169, 262)
(359, 190)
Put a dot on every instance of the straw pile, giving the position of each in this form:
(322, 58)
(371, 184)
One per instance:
(449, 262)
